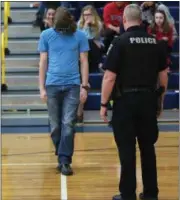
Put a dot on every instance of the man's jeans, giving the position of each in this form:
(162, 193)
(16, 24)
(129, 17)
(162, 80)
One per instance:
(62, 104)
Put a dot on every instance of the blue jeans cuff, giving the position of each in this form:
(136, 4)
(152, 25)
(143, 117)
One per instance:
(64, 160)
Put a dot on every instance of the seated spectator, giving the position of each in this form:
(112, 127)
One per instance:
(91, 25)
(148, 9)
(170, 20)
(43, 5)
(47, 22)
(163, 31)
(112, 15)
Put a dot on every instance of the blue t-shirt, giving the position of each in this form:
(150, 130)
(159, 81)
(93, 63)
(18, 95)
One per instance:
(63, 56)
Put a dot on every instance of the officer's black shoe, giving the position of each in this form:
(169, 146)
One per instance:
(65, 169)
(119, 197)
(142, 197)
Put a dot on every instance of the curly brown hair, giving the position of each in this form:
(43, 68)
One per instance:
(166, 26)
(64, 22)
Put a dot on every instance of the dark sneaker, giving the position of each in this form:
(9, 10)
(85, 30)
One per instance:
(142, 197)
(65, 169)
(119, 197)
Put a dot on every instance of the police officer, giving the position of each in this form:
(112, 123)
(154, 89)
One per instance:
(134, 66)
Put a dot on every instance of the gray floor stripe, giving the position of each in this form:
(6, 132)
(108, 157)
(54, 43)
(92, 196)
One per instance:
(81, 129)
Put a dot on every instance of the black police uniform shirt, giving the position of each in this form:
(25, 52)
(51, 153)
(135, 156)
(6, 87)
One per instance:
(136, 58)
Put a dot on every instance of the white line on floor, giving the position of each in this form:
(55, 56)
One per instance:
(63, 187)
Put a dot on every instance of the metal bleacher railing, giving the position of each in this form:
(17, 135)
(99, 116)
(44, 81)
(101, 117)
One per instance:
(4, 45)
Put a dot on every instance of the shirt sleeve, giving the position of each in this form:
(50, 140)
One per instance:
(78, 25)
(83, 43)
(162, 58)
(100, 27)
(106, 16)
(149, 30)
(170, 37)
(43, 44)
(114, 55)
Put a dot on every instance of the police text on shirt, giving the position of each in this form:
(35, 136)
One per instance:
(142, 40)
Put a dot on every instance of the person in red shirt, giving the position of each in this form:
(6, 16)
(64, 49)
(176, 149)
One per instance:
(163, 31)
(112, 16)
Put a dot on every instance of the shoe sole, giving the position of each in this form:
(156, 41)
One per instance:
(147, 198)
(67, 174)
(120, 198)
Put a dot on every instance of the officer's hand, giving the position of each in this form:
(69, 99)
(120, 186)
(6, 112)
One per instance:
(103, 114)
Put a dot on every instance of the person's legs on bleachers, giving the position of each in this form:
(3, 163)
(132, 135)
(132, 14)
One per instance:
(66, 4)
(108, 38)
(39, 14)
(42, 7)
(95, 56)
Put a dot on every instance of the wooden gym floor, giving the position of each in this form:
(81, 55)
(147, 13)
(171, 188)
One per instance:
(28, 168)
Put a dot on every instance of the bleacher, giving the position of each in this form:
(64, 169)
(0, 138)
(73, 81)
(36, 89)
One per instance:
(21, 104)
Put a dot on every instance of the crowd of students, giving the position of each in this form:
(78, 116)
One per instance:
(101, 30)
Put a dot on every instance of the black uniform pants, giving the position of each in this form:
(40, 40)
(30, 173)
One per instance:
(134, 116)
